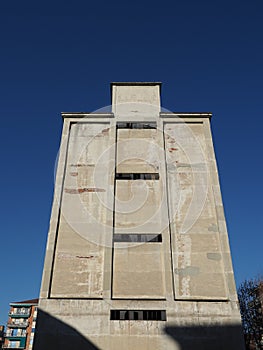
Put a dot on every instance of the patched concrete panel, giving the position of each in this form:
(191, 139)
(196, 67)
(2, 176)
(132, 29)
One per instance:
(138, 271)
(139, 206)
(78, 268)
(196, 247)
(138, 151)
(86, 214)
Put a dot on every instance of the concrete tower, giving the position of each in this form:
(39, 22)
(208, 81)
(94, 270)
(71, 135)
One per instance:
(137, 254)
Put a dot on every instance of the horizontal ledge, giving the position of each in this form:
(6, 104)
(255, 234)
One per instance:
(52, 297)
(111, 115)
(202, 300)
(185, 114)
(161, 299)
(86, 115)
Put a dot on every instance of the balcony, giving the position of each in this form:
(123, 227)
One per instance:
(15, 342)
(23, 324)
(15, 335)
(20, 313)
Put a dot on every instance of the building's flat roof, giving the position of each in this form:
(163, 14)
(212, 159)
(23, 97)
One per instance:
(134, 83)
(25, 302)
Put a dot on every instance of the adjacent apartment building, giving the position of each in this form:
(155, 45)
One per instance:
(21, 325)
(2, 339)
(137, 254)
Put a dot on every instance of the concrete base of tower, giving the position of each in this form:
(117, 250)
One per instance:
(84, 325)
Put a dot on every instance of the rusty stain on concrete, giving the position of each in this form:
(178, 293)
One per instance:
(83, 190)
(171, 149)
(81, 165)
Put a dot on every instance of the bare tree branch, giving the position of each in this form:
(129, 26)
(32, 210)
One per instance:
(250, 295)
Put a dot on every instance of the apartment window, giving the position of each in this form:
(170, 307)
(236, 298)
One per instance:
(134, 237)
(138, 315)
(13, 344)
(137, 176)
(20, 311)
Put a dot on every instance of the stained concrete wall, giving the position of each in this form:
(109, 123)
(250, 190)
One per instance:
(196, 247)
(84, 223)
(87, 273)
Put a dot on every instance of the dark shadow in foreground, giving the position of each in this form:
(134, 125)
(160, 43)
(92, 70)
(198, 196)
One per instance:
(53, 334)
(216, 337)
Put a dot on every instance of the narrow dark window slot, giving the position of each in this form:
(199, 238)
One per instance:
(130, 125)
(137, 237)
(137, 176)
(136, 315)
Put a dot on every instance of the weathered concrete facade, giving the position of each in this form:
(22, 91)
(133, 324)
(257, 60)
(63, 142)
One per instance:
(137, 254)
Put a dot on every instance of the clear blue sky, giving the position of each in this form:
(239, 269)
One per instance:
(62, 56)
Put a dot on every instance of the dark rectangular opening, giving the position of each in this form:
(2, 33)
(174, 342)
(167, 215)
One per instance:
(130, 125)
(137, 237)
(137, 176)
(137, 315)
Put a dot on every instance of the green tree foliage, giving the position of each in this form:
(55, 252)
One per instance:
(250, 295)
